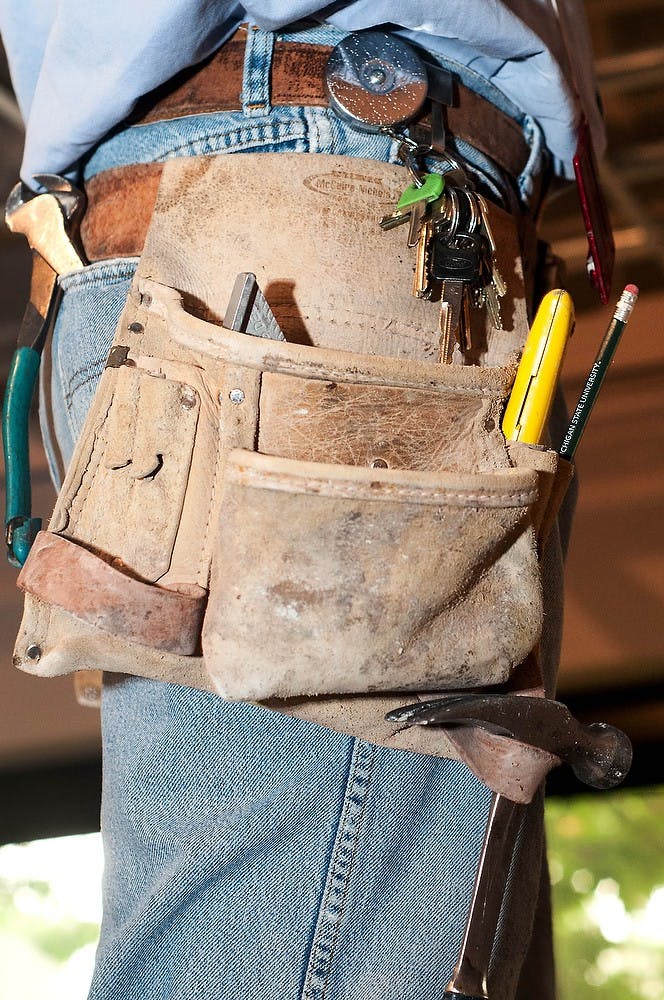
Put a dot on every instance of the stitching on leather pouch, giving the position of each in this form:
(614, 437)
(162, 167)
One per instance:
(205, 534)
(386, 490)
(82, 492)
(313, 370)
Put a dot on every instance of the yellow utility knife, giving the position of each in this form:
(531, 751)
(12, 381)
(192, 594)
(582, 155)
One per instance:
(534, 387)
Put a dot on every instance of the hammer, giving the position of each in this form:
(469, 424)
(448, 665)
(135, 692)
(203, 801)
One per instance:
(599, 755)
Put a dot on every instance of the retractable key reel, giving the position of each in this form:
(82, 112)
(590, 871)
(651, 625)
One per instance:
(375, 81)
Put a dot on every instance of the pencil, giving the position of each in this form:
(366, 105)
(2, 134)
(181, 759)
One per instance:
(622, 312)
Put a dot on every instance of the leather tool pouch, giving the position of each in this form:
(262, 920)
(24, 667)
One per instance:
(276, 519)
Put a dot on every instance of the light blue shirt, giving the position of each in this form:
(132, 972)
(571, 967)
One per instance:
(78, 66)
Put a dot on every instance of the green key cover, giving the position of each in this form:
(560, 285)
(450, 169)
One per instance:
(431, 190)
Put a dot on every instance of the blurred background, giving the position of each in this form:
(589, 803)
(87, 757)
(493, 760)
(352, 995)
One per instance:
(606, 850)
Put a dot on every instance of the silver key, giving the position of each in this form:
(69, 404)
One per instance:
(490, 295)
(419, 212)
(394, 219)
(456, 263)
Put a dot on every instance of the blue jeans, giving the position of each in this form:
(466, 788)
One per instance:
(250, 854)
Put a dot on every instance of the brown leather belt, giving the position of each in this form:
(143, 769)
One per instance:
(121, 200)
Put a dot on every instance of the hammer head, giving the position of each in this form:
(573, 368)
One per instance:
(599, 754)
(49, 220)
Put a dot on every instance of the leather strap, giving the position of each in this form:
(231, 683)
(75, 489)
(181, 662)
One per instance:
(298, 78)
(62, 572)
(121, 200)
(120, 206)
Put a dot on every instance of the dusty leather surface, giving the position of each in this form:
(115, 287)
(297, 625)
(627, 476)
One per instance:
(322, 282)
(68, 644)
(334, 579)
(64, 573)
(396, 428)
(375, 367)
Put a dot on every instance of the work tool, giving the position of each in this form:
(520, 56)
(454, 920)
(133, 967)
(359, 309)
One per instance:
(248, 310)
(375, 81)
(600, 756)
(529, 405)
(49, 221)
(607, 349)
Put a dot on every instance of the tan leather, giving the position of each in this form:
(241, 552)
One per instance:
(88, 687)
(342, 284)
(334, 579)
(360, 351)
(374, 426)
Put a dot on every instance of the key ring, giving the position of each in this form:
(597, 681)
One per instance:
(475, 214)
(452, 213)
(456, 173)
(410, 152)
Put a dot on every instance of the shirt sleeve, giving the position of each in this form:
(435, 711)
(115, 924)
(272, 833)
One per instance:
(79, 66)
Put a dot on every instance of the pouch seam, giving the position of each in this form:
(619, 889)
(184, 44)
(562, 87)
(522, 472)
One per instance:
(384, 491)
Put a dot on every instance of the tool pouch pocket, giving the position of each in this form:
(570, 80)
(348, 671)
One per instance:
(378, 537)
(342, 579)
(352, 523)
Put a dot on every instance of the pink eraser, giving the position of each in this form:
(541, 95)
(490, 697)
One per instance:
(632, 288)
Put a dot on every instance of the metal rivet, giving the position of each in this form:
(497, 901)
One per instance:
(136, 328)
(34, 653)
(236, 396)
(376, 75)
(188, 399)
(490, 425)
(379, 463)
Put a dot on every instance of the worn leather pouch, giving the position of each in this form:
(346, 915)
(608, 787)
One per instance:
(315, 520)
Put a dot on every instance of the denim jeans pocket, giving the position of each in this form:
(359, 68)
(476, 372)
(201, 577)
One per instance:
(92, 301)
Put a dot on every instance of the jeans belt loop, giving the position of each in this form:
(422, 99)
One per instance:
(256, 77)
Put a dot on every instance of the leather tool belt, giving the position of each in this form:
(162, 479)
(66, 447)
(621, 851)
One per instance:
(336, 514)
(121, 200)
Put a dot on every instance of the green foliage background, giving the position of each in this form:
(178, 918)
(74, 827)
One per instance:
(616, 836)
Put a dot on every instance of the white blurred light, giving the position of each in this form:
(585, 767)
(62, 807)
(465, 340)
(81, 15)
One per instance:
(608, 912)
(50, 883)
(70, 866)
(582, 880)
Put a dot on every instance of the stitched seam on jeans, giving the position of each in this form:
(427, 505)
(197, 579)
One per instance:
(75, 383)
(100, 273)
(333, 903)
(236, 139)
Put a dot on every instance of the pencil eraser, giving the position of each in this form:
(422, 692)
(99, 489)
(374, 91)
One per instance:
(632, 288)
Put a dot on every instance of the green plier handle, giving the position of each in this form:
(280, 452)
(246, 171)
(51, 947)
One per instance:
(20, 527)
